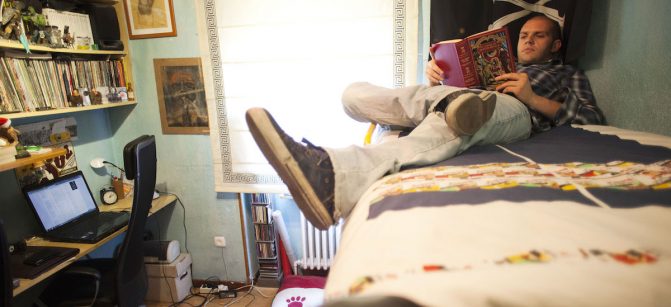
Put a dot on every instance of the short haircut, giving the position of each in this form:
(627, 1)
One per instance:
(555, 30)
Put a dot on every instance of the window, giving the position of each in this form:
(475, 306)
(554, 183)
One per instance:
(294, 58)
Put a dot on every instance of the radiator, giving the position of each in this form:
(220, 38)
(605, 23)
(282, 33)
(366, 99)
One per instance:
(319, 246)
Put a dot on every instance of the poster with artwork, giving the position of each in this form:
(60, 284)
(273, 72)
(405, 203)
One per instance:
(53, 133)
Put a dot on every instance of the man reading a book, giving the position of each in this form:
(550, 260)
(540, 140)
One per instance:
(326, 183)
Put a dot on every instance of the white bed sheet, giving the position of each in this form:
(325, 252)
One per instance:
(464, 255)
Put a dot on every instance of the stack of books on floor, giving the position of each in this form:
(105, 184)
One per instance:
(270, 272)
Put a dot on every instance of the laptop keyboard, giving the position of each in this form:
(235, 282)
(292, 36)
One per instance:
(102, 224)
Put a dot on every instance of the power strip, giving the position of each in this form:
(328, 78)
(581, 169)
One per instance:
(228, 294)
(205, 289)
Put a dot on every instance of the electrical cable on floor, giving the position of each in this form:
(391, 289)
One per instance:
(253, 298)
(209, 297)
(186, 247)
(165, 278)
(186, 237)
(262, 294)
(223, 258)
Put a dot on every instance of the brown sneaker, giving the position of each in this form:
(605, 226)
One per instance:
(306, 170)
(467, 113)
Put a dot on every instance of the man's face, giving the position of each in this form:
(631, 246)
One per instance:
(536, 44)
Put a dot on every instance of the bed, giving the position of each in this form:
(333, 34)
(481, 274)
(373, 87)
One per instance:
(577, 216)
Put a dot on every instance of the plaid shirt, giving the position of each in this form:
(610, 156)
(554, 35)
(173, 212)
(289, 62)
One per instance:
(565, 84)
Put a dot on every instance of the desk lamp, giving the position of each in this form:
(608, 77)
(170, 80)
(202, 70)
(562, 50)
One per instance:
(110, 195)
(100, 162)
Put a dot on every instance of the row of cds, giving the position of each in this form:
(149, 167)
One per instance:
(35, 84)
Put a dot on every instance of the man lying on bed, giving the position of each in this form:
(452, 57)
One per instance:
(326, 183)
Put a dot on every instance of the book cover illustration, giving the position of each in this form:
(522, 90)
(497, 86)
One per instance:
(475, 61)
(53, 133)
(493, 56)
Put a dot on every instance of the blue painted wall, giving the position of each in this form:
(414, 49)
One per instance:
(628, 63)
(185, 161)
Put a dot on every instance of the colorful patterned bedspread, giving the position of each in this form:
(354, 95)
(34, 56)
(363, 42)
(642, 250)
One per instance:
(569, 217)
(563, 164)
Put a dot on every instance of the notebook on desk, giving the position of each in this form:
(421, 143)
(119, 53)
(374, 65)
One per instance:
(68, 212)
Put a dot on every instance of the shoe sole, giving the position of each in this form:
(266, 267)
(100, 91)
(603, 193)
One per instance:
(273, 148)
(459, 113)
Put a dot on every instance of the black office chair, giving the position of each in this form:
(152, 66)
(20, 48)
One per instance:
(121, 281)
(5, 275)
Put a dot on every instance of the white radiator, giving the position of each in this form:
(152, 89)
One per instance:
(319, 246)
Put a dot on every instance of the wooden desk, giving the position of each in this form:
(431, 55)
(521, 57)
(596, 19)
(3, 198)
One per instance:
(84, 249)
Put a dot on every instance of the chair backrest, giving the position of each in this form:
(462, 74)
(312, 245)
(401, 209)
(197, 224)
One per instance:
(6, 278)
(140, 165)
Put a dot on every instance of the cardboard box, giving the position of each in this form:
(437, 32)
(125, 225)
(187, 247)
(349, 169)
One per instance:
(169, 282)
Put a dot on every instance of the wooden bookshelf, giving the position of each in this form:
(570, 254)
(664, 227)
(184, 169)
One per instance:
(267, 253)
(67, 110)
(10, 44)
(55, 152)
(123, 56)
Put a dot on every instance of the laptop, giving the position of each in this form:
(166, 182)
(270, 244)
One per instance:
(68, 212)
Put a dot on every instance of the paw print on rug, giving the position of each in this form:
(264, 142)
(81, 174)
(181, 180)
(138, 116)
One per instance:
(295, 301)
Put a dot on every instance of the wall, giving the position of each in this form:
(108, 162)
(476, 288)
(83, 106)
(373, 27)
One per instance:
(93, 141)
(184, 161)
(628, 63)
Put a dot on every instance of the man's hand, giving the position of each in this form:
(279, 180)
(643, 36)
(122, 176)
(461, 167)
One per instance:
(518, 85)
(434, 73)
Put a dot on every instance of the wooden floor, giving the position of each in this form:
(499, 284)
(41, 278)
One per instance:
(255, 298)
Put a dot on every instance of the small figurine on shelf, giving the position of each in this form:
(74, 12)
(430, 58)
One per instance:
(55, 38)
(131, 92)
(11, 20)
(8, 135)
(76, 99)
(68, 39)
(12, 28)
(9, 138)
(41, 37)
(33, 22)
(96, 96)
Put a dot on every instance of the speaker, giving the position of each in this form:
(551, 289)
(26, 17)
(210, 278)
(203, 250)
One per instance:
(160, 251)
(104, 25)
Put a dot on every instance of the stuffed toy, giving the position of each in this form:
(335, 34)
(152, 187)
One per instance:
(8, 135)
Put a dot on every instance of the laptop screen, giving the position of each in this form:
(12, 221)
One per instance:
(61, 200)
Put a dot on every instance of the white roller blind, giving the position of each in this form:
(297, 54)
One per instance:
(294, 58)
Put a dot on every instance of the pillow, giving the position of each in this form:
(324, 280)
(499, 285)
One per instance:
(302, 291)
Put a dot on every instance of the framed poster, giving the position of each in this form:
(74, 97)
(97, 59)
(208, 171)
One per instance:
(150, 18)
(181, 96)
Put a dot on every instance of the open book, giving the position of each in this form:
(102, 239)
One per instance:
(475, 60)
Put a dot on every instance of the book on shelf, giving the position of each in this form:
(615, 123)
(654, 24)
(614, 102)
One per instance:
(261, 213)
(476, 60)
(266, 250)
(38, 84)
(264, 232)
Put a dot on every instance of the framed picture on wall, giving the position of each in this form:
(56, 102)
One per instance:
(181, 96)
(150, 18)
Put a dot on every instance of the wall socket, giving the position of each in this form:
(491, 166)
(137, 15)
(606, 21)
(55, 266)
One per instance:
(219, 241)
